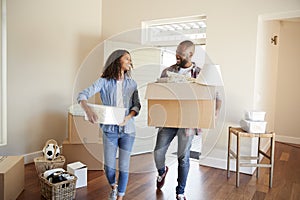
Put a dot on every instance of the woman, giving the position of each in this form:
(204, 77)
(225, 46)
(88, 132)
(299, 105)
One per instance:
(118, 89)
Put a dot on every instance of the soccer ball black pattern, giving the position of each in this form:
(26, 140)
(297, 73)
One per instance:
(51, 151)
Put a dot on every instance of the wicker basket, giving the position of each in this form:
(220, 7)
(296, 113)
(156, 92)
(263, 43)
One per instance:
(65, 190)
(42, 164)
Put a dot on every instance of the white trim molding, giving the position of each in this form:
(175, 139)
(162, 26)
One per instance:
(287, 139)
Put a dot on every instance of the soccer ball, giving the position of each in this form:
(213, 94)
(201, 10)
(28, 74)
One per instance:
(51, 151)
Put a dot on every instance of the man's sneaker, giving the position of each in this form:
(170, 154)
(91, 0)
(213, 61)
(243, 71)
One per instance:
(161, 179)
(113, 194)
(180, 197)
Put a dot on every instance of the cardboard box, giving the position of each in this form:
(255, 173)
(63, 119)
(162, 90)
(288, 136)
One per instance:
(181, 105)
(253, 126)
(82, 131)
(80, 171)
(11, 177)
(90, 154)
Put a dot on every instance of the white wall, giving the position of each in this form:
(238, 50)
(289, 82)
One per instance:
(287, 121)
(266, 70)
(47, 41)
(266, 73)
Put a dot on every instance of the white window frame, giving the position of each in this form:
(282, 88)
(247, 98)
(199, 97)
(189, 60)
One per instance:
(171, 37)
(3, 110)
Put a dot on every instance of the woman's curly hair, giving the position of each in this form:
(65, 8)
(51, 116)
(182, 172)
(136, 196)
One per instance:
(112, 67)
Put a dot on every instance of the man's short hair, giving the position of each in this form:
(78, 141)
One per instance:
(187, 44)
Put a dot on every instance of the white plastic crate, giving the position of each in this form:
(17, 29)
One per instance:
(255, 115)
(253, 126)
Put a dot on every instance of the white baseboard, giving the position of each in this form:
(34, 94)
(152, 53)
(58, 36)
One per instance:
(29, 158)
(287, 139)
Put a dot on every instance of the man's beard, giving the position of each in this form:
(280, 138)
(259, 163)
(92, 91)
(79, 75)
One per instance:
(182, 63)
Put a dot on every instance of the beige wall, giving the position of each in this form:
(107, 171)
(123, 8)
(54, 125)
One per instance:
(47, 41)
(287, 121)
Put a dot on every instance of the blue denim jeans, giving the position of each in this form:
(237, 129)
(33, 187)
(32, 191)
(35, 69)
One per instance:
(111, 142)
(164, 138)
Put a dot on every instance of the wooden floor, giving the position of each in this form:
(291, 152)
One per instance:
(204, 183)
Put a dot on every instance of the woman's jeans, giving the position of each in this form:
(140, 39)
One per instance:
(164, 138)
(111, 142)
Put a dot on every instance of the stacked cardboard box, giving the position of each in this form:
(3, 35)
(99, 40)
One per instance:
(11, 176)
(84, 143)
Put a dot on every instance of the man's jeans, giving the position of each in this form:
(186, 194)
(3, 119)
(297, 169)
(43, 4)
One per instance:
(111, 142)
(164, 138)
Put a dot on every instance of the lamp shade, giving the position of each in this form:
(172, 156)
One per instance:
(210, 74)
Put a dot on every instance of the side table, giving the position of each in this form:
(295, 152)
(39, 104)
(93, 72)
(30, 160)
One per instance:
(238, 132)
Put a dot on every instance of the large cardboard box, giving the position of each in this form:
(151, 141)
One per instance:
(82, 131)
(90, 154)
(181, 105)
(11, 176)
(80, 171)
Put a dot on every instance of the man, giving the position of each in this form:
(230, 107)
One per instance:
(184, 65)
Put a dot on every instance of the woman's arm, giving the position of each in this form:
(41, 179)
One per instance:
(134, 110)
(91, 90)
(136, 105)
(85, 94)
(92, 117)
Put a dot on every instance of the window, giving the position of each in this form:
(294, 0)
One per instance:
(3, 73)
(167, 32)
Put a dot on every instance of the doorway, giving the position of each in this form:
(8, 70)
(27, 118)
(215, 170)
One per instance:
(277, 72)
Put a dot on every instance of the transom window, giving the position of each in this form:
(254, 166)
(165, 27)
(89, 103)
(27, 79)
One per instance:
(165, 32)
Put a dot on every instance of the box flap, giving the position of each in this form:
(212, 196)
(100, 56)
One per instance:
(7, 162)
(76, 165)
(179, 91)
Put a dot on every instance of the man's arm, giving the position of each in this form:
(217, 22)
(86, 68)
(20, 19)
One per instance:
(164, 73)
(173, 68)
